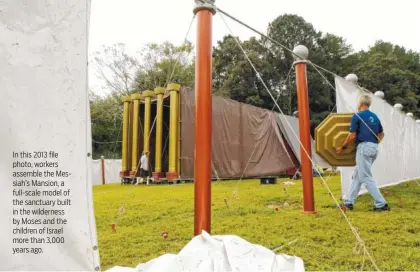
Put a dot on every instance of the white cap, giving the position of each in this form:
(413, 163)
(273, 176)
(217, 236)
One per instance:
(302, 51)
(380, 94)
(398, 106)
(352, 78)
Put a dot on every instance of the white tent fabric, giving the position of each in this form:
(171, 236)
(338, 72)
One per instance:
(399, 153)
(222, 253)
(112, 171)
(290, 135)
(44, 108)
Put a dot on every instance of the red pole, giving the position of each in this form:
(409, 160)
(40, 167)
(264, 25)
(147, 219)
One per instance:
(304, 129)
(203, 110)
(103, 170)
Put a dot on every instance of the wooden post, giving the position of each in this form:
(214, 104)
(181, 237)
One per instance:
(135, 98)
(157, 174)
(103, 169)
(304, 128)
(203, 115)
(147, 95)
(173, 130)
(125, 135)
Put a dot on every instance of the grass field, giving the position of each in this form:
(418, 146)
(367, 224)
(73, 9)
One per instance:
(324, 241)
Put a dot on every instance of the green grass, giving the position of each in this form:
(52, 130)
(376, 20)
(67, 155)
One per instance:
(324, 240)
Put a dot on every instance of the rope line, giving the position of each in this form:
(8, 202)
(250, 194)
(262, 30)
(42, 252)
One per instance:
(353, 229)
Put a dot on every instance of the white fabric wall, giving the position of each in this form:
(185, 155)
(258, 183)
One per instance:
(399, 153)
(112, 171)
(44, 107)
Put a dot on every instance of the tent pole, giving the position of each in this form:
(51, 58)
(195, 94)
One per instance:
(304, 128)
(203, 117)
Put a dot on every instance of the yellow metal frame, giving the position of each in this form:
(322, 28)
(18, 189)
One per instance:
(159, 92)
(126, 112)
(136, 109)
(147, 95)
(330, 135)
(173, 126)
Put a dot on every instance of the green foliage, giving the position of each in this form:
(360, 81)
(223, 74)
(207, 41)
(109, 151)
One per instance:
(106, 118)
(324, 240)
(161, 64)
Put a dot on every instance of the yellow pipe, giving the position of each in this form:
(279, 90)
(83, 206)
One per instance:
(136, 108)
(159, 92)
(147, 108)
(129, 134)
(173, 127)
(126, 102)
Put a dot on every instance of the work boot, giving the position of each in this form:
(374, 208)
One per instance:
(381, 209)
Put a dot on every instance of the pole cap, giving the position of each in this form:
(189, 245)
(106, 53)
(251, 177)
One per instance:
(148, 93)
(380, 94)
(418, 121)
(398, 106)
(409, 114)
(126, 99)
(352, 78)
(301, 51)
(102, 157)
(204, 5)
(136, 96)
(159, 90)
(173, 87)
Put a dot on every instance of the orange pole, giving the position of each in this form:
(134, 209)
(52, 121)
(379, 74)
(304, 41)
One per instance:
(203, 115)
(103, 170)
(304, 130)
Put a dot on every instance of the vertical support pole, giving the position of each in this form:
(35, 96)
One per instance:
(304, 128)
(134, 152)
(125, 128)
(157, 174)
(203, 115)
(103, 169)
(173, 130)
(147, 111)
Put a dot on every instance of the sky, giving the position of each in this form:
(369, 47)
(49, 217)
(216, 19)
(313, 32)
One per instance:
(139, 22)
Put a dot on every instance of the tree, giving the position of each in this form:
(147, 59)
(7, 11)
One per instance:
(326, 50)
(163, 64)
(116, 68)
(106, 118)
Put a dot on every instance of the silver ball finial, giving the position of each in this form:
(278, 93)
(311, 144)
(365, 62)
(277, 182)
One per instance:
(102, 157)
(380, 94)
(398, 106)
(409, 114)
(301, 51)
(296, 114)
(352, 78)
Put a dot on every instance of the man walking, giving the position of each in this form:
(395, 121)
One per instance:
(144, 167)
(367, 132)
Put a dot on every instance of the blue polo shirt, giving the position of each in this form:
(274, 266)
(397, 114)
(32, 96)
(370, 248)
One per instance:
(363, 132)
